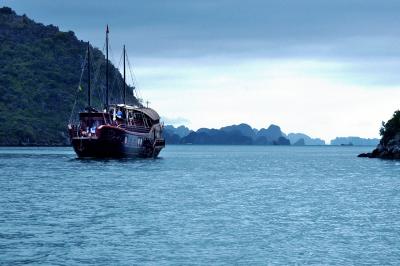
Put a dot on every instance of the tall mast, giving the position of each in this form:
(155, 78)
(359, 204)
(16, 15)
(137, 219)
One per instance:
(107, 31)
(88, 71)
(124, 78)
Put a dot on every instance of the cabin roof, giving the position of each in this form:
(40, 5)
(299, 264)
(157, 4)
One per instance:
(148, 111)
(93, 114)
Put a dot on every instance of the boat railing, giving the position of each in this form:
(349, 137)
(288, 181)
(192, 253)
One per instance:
(141, 129)
(76, 131)
(73, 130)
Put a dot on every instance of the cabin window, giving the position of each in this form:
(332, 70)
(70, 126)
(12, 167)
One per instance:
(90, 124)
(95, 123)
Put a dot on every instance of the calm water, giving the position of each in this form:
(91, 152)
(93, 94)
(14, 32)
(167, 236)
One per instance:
(200, 205)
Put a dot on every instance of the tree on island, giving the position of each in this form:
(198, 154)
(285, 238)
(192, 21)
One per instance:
(389, 146)
(391, 128)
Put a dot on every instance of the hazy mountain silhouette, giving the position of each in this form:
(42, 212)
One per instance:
(241, 134)
(295, 137)
(357, 141)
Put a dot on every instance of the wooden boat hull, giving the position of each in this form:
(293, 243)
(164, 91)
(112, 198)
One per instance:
(113, 142)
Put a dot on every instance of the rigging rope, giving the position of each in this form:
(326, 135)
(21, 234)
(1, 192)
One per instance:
(79, 87)
(97, 65)
(138, 95)
(115, 76)
(99, 91)
(119, 81)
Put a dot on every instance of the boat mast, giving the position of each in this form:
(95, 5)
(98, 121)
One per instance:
(107, 31)
(124, 78)
(88, 71)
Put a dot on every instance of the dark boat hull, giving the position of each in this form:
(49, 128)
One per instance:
(112, 142)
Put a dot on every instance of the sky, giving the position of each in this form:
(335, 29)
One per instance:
(321, 67)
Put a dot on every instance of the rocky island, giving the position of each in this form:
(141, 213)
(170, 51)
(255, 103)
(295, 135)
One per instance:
(389, 145)
(40, 68)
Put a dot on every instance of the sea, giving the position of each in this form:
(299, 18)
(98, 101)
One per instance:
(200, 205)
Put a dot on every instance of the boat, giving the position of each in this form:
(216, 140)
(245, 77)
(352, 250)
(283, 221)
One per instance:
(119, 130)
(347, 144)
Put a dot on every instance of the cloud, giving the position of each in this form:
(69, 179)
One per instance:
(361, 33)
(339, 28)
(261, 93)
(326, 68)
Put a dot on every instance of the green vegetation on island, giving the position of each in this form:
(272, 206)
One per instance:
(389, 146)
(40, 69)
(391, 129)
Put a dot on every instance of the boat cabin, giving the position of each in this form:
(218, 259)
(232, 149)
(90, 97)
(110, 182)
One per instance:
(90, 121)
(137, 117)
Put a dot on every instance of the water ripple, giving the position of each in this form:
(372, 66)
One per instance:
(200, 205)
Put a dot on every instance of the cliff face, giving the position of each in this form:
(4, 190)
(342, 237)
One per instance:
(302, 139)
(391, 150)
(241, 134)
(389, 145)
(40, 68)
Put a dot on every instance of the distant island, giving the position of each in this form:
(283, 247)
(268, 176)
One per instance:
(244, 134)
(389, 145)
(299, 139)
(241, 134)
(354, 141)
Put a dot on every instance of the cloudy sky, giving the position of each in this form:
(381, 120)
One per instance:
(325, 68)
